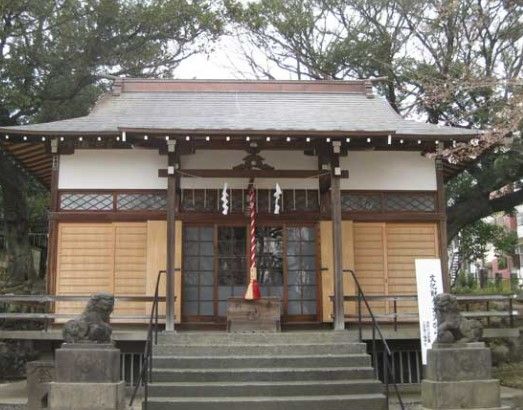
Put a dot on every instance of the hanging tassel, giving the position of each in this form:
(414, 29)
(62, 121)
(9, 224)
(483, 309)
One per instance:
(253, 290)
(277, 198)
(225, 200)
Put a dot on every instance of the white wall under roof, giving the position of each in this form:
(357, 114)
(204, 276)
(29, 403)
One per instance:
(213, 159)
(138, 169)
(112, 169)
(394, 170)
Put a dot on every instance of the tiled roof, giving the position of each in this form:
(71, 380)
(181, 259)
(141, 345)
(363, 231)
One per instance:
(246, 109)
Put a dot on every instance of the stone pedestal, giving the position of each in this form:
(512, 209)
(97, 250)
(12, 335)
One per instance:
(39, 375)
(458, 376)
(87, 377)
(262, 315)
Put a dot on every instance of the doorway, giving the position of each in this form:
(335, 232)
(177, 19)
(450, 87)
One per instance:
(215, 267)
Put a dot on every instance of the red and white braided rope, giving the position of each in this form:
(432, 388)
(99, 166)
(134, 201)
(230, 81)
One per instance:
(252, 211)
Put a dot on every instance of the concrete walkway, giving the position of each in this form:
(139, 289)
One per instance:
(13, 397)
(412, 400)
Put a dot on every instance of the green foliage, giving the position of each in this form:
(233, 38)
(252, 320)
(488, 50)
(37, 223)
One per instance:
(475, 240)
(465, 280)
(491, 288)
(450, 62)
(466, 284)
(53, 55)
(52, 51)
(510, 374)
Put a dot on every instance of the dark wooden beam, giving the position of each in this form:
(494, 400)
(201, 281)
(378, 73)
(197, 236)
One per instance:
(52, 241)
(107, 216)
(171, 235)
(255, 173)
(339, 314)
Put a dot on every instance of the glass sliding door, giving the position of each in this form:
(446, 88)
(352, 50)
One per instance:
(215, 268)
(232, 264)
(270, 263)
(198, 271)
(286, 262)
(301, 271)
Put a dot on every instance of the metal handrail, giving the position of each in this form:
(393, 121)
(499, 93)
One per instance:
(47, 316)
(147, 360)
(466, 299)
(386, 349)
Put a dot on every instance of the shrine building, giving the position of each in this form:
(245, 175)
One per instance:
(156, 178)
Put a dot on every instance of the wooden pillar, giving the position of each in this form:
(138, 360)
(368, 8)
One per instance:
(339, 314)
(52, 238)
(171, 235)
(442, 221)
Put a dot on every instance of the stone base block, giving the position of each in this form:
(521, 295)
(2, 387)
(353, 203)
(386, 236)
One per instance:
(467, 361)
(39, 375)
(262, 315)
(482, 408)
(87, 362)
(470, 394)
(87, 396)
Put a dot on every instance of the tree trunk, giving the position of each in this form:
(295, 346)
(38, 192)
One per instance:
(477, 207)
(13, 183)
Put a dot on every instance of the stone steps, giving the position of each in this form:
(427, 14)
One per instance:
(214, 338)
(263, 374)
(198, 362)
(253, 349)
(323, 402)
(266, 388)
(289, 370)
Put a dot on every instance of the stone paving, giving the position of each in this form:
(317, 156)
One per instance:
(13, 397)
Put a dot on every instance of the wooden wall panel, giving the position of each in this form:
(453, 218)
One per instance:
(130, 254)
(370, 260)
(384, 259)
(405, 243)
(110, 257)
(327, 274)
(156, 261)
(85, 259)
(349, 287)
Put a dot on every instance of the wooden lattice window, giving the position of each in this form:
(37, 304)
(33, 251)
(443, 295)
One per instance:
(80, 201)
(354, 201)
(409, 202)
(366, 202)
(141, 202)
(201, 200)
(209, 200)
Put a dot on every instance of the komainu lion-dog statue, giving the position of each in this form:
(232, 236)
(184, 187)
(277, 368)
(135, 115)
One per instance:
(92, 326)
(452, 326)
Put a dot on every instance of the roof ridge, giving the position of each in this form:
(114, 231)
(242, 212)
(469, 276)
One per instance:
(130, 84)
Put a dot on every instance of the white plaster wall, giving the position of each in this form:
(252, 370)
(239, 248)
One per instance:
(242, 183)
(382, 170)
(138, 169)
(214, 159)
(112, 169)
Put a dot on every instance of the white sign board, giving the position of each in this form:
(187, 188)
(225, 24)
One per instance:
(429, 284)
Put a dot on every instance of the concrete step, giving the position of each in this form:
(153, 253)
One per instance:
(267, 388)
(253, 349)
(337, 402)
(216, 338)
(268, 374)
(225, 362)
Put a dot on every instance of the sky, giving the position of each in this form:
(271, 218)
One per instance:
(225, 62)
